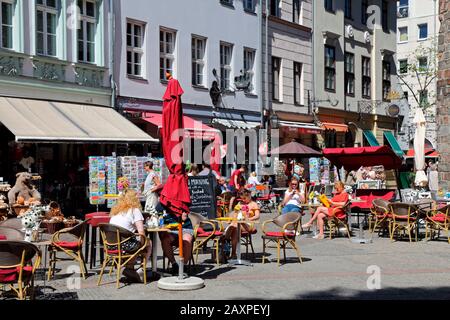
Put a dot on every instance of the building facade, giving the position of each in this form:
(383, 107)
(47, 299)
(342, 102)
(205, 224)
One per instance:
(354, 71)
(417, 26)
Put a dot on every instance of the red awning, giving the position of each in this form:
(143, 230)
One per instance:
(193, 128)
(354, 158)
(339, 127)
(429, 153)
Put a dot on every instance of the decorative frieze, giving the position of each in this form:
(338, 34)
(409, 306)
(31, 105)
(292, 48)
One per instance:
(11, 66)
(89, 77)
(48, 71)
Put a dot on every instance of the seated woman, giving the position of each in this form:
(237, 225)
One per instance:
(293, 197)
(127, 214)
(250, 210)
(340, 199)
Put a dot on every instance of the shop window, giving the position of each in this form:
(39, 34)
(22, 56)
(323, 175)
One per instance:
(330, 138)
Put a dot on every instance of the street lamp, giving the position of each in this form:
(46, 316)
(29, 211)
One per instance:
(274, 121)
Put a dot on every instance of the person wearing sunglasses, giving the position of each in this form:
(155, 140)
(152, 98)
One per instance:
(293, 197)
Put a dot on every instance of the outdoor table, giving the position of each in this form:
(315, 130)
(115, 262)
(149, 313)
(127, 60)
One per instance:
(154, 232)
(238, 260)
(91, 237)
(360, 238)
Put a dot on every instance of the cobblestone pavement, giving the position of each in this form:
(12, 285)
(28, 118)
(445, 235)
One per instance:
(332, 269)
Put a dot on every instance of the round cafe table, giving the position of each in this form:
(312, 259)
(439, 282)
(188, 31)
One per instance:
(154, 232)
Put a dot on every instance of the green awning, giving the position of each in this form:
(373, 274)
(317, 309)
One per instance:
(371, 138)
(394, 143)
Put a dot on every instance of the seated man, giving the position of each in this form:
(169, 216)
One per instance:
(169, 240)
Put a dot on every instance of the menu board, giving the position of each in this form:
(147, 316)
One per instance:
(111, 179)
(97, 180)
(203, 198)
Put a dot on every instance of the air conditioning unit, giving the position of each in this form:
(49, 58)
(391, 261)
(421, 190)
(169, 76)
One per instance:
(402, 12)
(349, 31)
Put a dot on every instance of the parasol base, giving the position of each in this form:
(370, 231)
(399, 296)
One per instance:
(361, 240)
(239, 262)
(177, 284)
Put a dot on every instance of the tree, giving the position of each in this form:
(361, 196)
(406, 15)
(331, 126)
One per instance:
(422, 66)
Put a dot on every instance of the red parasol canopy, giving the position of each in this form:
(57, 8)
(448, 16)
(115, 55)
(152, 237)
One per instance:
(175, 194)
(354, 158)
(295, 149)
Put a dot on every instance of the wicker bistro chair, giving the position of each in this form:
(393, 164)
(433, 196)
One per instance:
(379, 215)
(115, 236)
(436, 220)
(70, 242)
(204, 231)
(17, 267)
(403, 217)
(334, 222)
(223, 204)
(288, 225)
(11, 234)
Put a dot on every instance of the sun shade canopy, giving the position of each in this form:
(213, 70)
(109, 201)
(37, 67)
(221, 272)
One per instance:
(354, 158)
(394, 143)
(46, 121)
(371, 138)
(295, 148)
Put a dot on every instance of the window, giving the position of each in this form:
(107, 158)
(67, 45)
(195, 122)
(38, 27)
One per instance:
(349, 74)
(135, 39)
(87, 31)
(330, 68)
(423, 31)
(384, 15)
(46, 21)
(386, 80)
(276, 68)
(422, 64)
(348, 9)
(249, 64)
(405, 95)
(298, 96)
(249, 5)
(364, 13)
(296, 11)
(403, 34)
(7, 25)
(423, 97)
(198, 61)
(226, 52)
(366, 77)
(275, 8)
(328, 4)
(403, 9)
(403, 66)
(166, 52)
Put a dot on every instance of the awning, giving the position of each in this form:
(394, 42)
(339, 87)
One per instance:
(46, 121)
(301, 127)
(339, 127)
(371, 138)
(236, 124)
(354, 158)
(429, 153)
(193, 128)
(394, 143)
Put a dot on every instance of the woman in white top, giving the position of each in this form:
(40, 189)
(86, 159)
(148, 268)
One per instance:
(151, 184)
(127, 214)
(293, 198)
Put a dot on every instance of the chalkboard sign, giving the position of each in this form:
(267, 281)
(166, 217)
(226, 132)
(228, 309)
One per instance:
(203, 198)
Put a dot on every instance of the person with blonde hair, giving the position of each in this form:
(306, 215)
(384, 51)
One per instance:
(127, 214)
(339, 200)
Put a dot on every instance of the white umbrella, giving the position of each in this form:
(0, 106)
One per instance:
(419, 148)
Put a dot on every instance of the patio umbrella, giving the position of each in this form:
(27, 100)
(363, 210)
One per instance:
(175, 194)
(419, 148)
(295, 150)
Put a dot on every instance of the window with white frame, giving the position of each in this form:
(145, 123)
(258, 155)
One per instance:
(7, 12)
(166, 52)
(87, 30)
(198, 60)
(275, 8)
(135, 52)
(423, 31)
(366, 77)
(403, 34)
(297, 11)
(249, 5)
(330, 68)
(422, 64)
(226, 53)
(276, 79)
(298, 96)
(403, 66)
(349, 64)
(249, 64)
(46, 23)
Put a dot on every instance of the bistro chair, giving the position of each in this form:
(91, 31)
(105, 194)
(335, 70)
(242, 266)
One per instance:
(436, 220)
(223, 204)
(204, 231)
(334, 222)
(264, 197)
(17, 267)
(379, 215)
(403, 217)
(287, 225)
(113, 238)
(11, 234)
(70, 242)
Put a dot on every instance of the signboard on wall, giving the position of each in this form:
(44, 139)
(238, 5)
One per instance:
(203, 198)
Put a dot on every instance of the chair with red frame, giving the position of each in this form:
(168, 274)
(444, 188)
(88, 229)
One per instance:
(70, 242)
(403, 217)
(264, 197)
(93, 239)
(17, 267)
(379, 215)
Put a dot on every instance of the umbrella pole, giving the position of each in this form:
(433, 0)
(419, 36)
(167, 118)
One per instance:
(180, 246)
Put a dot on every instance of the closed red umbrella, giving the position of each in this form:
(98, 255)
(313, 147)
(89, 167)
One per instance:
(175, 194)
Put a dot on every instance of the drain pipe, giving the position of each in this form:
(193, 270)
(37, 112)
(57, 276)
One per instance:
(112, 32)
(261, 62)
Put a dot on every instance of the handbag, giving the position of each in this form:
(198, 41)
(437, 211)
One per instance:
(131, 245)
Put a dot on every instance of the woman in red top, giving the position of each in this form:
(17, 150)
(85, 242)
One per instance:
(339, 200)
